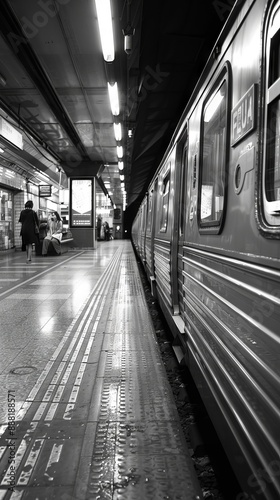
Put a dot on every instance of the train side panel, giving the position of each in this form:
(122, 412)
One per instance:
(231, 286)
(149, 241)
(224, 237)
(163, 228)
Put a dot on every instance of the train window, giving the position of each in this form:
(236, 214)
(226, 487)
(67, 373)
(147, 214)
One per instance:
(213, 157)
(165, 203)
(143, 222)
(183, 204)
(271, 170)
(150, 208)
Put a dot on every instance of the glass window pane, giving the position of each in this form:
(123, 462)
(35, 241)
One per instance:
(272, 171)
(165, 202)
(274, 65)
(183, 205)
(213, 158)
(271, 167)
(150, 207)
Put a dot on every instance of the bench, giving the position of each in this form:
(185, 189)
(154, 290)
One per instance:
(66, 242)
(67, 238)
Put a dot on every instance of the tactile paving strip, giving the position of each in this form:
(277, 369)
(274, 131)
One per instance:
(101, 421)
(140, 451)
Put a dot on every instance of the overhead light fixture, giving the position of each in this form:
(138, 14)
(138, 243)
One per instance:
(120, 151)
(122, 177)
(9, 173)
(120, 165)
(130, 133)
(118, 131)
(128, 42)
(1, 150)
(114, 98)
(104, 16)
(129, 31)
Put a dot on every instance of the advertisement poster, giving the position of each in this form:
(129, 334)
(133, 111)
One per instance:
(206, 201)
(81, 206)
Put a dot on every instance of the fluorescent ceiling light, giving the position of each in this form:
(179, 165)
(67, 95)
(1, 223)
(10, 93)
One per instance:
(104, 17)
(9, 173)
(120, 151)
(120, 165)
(118, 131)
(114, 98)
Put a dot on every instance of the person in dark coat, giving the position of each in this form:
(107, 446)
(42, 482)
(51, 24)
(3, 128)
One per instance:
(99, 223)
(28, 218)
(106, 231)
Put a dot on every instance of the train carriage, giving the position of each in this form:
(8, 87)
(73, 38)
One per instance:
(212, 249)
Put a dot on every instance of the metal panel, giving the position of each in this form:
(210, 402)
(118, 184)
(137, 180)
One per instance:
(162, 270)
(232, 315)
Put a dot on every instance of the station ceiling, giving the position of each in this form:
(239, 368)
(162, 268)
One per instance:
(53, 84)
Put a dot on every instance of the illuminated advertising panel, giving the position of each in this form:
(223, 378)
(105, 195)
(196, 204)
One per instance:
(81, 196)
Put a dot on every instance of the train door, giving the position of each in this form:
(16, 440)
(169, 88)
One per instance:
(153, 196)
(166, 233)
(182, 168)
(143, 230)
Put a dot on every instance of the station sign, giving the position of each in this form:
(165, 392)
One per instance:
(243, 115)
(45, 190)
(10, 133)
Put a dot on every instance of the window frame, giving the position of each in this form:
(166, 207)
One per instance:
(166, 179)
(216, 226)
(150, 205)
(269, 211)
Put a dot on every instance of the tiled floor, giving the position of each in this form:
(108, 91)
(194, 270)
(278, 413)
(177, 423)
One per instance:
(81, 374)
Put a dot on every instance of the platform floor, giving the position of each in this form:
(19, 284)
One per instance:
(86, 409)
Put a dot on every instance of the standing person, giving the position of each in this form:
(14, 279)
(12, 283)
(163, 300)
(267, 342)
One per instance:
(99, 223)
(29, 220)
(54, 234)
(107, 231)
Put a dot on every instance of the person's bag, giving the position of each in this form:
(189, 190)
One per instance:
(57, 236)
(36, 228)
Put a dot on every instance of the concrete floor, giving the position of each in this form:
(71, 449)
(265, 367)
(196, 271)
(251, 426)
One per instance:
(86, 409)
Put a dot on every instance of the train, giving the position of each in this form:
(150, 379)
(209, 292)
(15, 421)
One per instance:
(208, 235)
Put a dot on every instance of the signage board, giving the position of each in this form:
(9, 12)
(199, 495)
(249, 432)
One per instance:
(45, 190)
(81, 203)
(10, 133)
(243, 115)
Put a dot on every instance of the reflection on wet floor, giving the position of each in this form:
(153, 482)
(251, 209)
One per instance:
(82, 377)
